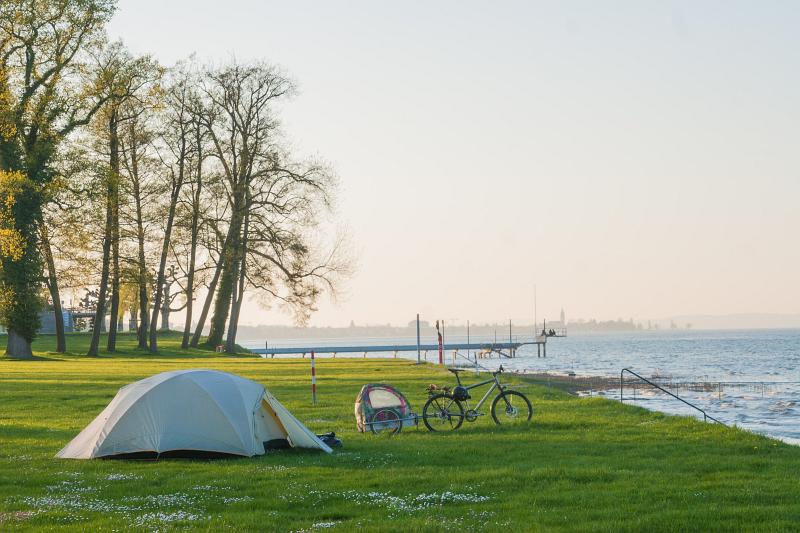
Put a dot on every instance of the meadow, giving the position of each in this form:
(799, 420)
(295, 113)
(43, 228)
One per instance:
(582, 464)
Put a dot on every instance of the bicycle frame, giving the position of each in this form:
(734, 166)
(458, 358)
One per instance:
(495, 385)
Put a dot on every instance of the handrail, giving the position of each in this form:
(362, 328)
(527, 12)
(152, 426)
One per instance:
(706, 416)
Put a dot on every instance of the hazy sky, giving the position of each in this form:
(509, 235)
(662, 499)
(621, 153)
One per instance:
(631, 158)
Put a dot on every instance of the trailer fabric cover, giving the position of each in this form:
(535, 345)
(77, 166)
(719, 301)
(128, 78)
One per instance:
(192, 410)
(375, 397)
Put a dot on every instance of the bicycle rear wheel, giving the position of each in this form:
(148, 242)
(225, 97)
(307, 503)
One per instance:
(442, 413)
(511, 407)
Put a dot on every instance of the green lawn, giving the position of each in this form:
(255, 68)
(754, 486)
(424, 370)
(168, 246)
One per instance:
(582, 464)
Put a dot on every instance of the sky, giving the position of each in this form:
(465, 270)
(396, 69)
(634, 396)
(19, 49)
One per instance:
(625, 158)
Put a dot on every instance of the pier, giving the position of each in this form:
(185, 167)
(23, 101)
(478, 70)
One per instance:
(507, 349)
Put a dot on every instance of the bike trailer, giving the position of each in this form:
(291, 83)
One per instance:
(379, 405)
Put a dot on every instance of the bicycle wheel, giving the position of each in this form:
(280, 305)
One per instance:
(511, 407)
(386, 421)
(442, 413)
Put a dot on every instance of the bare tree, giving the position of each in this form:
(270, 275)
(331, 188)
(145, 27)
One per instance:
(240, 123)
(141, 190)
(178, 142)
(127, 78)
(271, 203)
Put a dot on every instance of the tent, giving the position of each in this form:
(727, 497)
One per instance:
(191, 413)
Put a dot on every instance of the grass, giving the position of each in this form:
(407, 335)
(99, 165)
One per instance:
(583, 464)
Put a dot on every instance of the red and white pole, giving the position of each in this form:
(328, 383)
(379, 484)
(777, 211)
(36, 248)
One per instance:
(313, 381)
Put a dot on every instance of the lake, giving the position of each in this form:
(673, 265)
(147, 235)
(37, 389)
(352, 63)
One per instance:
(751, 377)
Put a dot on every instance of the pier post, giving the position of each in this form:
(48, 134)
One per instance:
(441, 342)
(418, 361)
(313, 381)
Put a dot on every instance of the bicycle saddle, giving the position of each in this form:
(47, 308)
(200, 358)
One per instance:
(457, 370)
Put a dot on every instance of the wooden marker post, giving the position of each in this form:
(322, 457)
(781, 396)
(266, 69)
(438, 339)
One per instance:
(313, 381)
(439, 337)
(418, 357)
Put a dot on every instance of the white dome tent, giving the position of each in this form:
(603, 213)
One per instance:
(186, 411)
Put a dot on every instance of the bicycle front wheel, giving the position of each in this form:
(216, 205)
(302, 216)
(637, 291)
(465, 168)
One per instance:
(511, 407)
(442, 413)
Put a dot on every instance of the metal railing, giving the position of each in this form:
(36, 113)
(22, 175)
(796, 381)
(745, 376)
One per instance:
(706, 416)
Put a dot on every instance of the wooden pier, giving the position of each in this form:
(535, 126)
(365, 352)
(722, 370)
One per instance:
(482, 349)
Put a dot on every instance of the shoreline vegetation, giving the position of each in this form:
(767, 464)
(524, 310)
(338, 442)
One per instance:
(583, 464)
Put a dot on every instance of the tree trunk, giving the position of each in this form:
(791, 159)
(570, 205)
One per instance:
(173, 202)
(160, 278)
(141, 281)
(55, 295)
(236, 307)
(162, 268)
(18, 347)
(165, 307)
(236, 304)
(229, 277)
(99, 316)
(114, 320)
(187, 325)
(21, 279)
(212, 287)
(100, 312)
(234, 317)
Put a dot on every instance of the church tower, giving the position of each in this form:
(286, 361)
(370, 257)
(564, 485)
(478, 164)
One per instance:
(563, 319)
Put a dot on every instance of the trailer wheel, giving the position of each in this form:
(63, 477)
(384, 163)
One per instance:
(386, 421)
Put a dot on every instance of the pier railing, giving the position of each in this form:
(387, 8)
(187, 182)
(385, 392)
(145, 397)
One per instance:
(706, 416)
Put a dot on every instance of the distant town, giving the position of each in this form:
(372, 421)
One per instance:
(501, 329)
(427, 328)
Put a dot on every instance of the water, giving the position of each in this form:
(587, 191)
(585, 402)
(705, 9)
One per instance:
(752, 377)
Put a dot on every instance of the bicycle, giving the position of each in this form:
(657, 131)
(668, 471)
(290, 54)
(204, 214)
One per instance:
(444, 410)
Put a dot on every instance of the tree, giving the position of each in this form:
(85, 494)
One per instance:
(177, 140)
(52, 286)
(138, 162)
(240, 123)
(272, 203)
(42, 101)
(61, 200)
(126, 79)
(194, 222)
(282, 260)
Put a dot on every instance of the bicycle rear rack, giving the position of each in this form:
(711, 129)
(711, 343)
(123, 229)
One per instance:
(706, 416)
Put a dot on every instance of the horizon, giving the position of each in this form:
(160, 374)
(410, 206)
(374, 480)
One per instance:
(737, 322)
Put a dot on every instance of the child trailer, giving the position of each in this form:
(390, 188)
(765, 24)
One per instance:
(381, 408)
